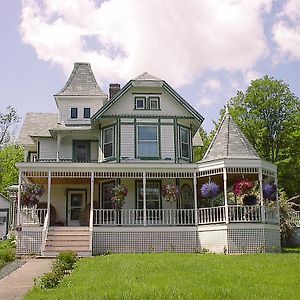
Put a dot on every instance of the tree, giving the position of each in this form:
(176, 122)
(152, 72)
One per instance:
(269, 115)
(7, 120)
(9, 156)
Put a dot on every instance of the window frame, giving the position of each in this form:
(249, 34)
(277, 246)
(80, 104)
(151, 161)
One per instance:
(188, 143)
(88, 149)
(75, 109)
(157, 141)
(139, 201)
(136, 99)
(110, 142)
(85, 109)
(153, 98)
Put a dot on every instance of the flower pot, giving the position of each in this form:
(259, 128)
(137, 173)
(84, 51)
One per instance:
(249, 200)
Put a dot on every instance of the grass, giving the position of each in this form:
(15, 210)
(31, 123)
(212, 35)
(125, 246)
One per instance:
(7, 252)
(180, 276)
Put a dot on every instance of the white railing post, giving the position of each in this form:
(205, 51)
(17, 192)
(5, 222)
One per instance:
(19, 200)
(195, 198)
(49, 193)
(45, 233)
(262, 206)
(92, 211)
(225, 195)
(144, 200)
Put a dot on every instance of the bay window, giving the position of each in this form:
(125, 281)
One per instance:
(147, 141)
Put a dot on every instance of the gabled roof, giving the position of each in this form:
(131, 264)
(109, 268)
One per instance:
(230, 142)
(36, 124)
(147, 80)
(81, 82)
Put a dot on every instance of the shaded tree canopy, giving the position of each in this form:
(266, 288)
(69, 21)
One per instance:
(269, 115)
(7, 120)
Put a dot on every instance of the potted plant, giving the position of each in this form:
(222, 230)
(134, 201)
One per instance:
(269, 191)
(170, 192)
(246, 188)
(210, 190)
(119, 194)
(31, 194)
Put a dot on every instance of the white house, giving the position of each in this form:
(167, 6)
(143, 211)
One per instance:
(141, 137)
(4, 215)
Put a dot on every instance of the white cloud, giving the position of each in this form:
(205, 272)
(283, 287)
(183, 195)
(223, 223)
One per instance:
(286, 31)
(173, 39)
(212, 84)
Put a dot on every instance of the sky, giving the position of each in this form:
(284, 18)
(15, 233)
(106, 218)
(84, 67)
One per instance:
(206, 50)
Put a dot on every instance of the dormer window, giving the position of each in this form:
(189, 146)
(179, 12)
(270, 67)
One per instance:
(74, 112)
(153, 103)
(86, 113)
(140, 103)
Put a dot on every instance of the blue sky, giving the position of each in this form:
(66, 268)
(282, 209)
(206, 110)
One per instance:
(206, 50)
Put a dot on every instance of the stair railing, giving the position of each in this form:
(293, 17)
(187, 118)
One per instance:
(45, 232)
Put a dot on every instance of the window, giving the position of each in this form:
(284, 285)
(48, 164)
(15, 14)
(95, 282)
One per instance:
(108, 142)
(106, 194)
(140, 103)
(74, 112)
(152, 195)
(86, 113)
(147, 141)
(184, 143)
(153, 103)
(81, 151)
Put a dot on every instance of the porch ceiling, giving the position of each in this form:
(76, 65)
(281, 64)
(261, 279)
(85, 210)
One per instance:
(44, 181)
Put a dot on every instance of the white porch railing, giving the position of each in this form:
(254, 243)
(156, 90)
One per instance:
(32, 216)
(244, 213)
(211, 215)
(45, 231)
(134, 217)
(296, 218)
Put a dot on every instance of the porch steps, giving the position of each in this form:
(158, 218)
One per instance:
(61, 239)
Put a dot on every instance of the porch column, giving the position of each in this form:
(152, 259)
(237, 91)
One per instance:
(92, 195)
(19, 199)
(58, 146)
(260, 179)
(277, 200)
(49, 195)
(144, 199)
(225, 194)
(195, 198)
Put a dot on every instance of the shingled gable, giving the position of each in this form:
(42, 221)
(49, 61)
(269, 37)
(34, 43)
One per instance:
(148, 80)
(81, 82)
(230, 142)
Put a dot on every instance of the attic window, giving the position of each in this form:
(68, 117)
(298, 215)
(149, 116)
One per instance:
(140, 103)
(86, 113)
(74, 112)
(153, 103)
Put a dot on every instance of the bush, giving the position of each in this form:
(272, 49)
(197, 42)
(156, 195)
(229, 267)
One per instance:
(48, 280)
(66, 260)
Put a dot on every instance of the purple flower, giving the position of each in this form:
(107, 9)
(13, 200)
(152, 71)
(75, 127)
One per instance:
(269, 191)
(210, 190)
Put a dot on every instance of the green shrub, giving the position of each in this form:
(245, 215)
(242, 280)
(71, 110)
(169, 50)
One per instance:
(7, 255)
(48, 280)
(66, 260)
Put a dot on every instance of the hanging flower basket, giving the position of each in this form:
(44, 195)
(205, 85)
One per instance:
(31, 194)
(250, 199)
(269, 191)
(243, 187)
(170, 192)
(119, 194)
(210, 190)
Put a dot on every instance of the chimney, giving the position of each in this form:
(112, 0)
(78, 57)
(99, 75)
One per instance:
(113, 89)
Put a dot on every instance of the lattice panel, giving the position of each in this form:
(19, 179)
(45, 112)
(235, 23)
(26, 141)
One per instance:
(141, 242)
(29, 242)
(272, 240)
(214, 240)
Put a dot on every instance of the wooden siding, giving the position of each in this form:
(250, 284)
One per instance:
(48, 148)
(167, 142)
(127, 141)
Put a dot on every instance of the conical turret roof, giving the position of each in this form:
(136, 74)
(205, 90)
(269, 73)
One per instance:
(81, 82)
(230, 142)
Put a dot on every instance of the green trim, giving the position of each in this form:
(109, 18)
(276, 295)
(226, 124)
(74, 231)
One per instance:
(113, 157)
(119, 140)
(66, 202)
(176, 140)
(189, 139)
(144, 101)
(146, 116)
(147, 93)
(38, 150)
(74, 149)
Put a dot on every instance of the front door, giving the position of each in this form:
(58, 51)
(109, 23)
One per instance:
(76, 203)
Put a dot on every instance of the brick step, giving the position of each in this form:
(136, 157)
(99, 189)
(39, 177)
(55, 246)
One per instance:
(68, 243)
(67, 247)
(68, 233)
(52, 254)
(68, 238)
(67, 228)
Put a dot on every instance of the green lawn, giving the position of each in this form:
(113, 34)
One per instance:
(180, 276)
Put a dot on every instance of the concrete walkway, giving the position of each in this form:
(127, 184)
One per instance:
(18, 283)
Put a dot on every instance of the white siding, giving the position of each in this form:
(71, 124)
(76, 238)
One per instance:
(168, 105)
(94, 150)
(127, 141)
(167, 142)
(48, 148)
